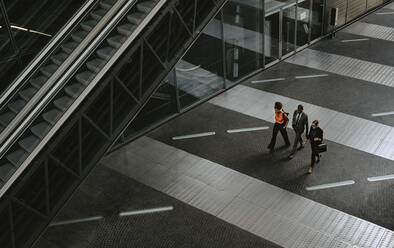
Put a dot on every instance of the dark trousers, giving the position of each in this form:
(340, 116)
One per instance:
(278, 127)
(296, 140)
(314, 155)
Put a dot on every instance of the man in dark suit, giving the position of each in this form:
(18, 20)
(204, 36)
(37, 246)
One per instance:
(299, 123)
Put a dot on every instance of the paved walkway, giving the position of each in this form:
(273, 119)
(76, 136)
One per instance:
(229, 186)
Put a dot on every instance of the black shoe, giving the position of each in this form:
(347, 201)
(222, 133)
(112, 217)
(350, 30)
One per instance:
(291, 156)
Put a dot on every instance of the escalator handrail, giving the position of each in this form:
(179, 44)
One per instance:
(10, 129)
(22, 77)
(60, 84)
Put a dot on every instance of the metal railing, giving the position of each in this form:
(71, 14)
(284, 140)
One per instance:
(47, 50)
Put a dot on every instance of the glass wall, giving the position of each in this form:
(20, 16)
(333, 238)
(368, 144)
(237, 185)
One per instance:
(243, 26)
(271, 38)
(200, 73)
(303, 25)
(242, 39)
(288, 29)
(317, 19)
(32, 25)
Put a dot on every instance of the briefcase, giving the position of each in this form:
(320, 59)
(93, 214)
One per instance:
(322, 147)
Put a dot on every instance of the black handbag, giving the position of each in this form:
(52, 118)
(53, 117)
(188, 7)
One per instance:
(322, 147)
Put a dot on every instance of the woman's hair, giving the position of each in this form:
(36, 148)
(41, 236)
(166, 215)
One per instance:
(278, 105)
(316, 122)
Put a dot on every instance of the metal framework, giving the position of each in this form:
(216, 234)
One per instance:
(41, 190)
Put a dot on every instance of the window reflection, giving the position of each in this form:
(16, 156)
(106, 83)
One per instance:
(33, 24)
(161, 105)
(303, 23)
(200, 72)
(243, 37)
(271, 38)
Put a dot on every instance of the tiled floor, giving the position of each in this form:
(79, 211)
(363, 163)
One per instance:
(227, 193)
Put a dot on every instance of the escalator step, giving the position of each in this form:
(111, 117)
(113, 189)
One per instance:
(126, 29)
(49, 69)
(96, 65)
(59, 58)
(63, 103)
(89, 25)
(116, 41)
(106, 53)
(69, 47)
(146, 6)
(136, 18)
(41, 129)
(79, 36)
(38, 82)
(6, 171)
(29, 143)
(28, 93)
(6, 118)
(17, 106)
(17, 157)
(107, 4)
(74, 90)
(98, 14)
(85, 77)
(52, 116)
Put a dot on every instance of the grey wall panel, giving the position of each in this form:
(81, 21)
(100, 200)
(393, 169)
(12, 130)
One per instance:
(356, 8)
(374, 3)
(341, 5)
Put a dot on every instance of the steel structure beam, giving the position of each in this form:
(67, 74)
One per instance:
(42, 189)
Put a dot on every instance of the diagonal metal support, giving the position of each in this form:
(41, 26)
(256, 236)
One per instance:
(126, 89)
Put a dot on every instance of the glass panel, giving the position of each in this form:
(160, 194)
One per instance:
(243, 35)
(302, 23)
(5, 226)
(271, 38)
(5, 43)
(32, 30)
(200, 72)
(317, 19)
(288, 30)
(161, 105)
(275, 5)
(6, 54)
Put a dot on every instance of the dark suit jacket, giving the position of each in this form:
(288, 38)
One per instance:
(302, 123)
(315, 133)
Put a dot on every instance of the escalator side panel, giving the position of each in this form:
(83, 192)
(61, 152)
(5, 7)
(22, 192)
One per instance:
(94, 126)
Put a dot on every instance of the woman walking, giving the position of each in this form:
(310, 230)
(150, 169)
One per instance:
(316, 138)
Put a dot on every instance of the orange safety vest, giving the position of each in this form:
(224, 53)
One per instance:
(280, 118)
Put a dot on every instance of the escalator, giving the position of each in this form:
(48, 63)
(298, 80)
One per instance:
(17, 102)
(78, 115)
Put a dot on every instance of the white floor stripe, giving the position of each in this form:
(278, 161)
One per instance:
(272, 213)
(353, 40)
(381, 178)
(66, 222)
(385, 13)
(346, 66)
(348, 130)
(312, 76)
(146, 211)
(247, 129)
(267, 80)
(193, 135)
(330, 185)
(371, 30)
(383, 114)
